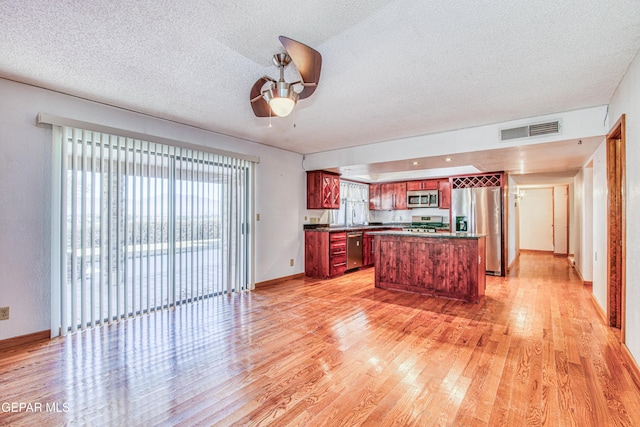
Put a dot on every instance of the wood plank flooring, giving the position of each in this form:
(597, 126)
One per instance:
(339, 352)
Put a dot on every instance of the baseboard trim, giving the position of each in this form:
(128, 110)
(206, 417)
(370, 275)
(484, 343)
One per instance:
(24, 340)
(587, 283)
(515, 259)
(579, 274)
(278, 280)
(599, 310)
(632, 365)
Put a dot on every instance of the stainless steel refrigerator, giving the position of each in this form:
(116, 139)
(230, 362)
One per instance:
(479, 210)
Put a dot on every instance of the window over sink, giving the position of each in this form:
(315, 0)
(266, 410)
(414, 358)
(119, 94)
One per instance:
(354, 204)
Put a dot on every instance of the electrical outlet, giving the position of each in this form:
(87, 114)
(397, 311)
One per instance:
(290, 263)
(4, 313)
(257, 217)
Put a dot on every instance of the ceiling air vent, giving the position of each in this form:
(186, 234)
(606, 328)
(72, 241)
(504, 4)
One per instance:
(529, 131)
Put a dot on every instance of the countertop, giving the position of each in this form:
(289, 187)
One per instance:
(326, 228)
(436, 235)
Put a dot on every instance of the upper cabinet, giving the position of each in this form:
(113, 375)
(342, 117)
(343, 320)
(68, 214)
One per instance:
(444, 194)
(323, 190)
(425, 184)
(374, 197)
(387, 197)
(393, 195)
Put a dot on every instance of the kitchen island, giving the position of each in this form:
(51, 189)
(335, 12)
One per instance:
(448, 265)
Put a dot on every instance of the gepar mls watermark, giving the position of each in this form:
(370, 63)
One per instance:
(34, 407)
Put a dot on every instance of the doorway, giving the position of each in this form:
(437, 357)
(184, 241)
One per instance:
(616, 226)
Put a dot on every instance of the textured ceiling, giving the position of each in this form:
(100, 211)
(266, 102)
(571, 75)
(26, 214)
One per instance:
(391, 69)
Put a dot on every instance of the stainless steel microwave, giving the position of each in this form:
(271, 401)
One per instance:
(422, 199)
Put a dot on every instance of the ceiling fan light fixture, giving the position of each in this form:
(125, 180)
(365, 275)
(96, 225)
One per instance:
(281, 98)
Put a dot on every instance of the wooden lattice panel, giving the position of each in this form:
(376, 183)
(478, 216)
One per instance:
(493, 180)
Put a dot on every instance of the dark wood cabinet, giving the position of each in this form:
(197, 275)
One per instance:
(337, 253)
(325, 253)
(425, 184)
(367, 249)
(444, 194)
(323, 190)
(438, 266)
(388, 196)
(374, 196)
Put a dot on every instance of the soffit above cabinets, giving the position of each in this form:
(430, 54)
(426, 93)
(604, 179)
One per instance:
(563, 158)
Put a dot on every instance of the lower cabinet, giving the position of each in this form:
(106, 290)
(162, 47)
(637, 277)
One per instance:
(325, 253)
(367, 249)
(337, 253)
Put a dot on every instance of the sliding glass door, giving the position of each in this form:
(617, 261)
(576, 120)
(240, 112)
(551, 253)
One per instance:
(144, 226)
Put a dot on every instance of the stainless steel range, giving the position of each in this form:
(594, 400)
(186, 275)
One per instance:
(426, 224)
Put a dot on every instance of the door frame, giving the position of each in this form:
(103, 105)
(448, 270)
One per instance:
(616, 226)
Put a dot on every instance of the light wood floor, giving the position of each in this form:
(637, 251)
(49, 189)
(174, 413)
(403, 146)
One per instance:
(340, 352)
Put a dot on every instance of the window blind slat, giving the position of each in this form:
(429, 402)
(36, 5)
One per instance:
(144, 226)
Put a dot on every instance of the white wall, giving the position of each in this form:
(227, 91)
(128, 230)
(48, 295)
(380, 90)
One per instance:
(536, 219)
(560, 219)
(571, 217)
(587, 225)
(25, 202)
(512, 211)
(600, 226)
(583, 221)
(626, 100)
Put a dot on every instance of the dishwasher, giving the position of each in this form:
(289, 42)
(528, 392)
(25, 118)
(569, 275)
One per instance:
(354, 250)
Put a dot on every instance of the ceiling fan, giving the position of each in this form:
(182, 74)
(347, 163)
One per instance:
(278, 96)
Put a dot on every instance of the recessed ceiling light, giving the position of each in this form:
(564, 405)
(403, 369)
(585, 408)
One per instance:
(448, 159)
(415, 163)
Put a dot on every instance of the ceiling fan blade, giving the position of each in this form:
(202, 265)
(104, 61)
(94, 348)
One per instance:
(308, 61)
(259, 105)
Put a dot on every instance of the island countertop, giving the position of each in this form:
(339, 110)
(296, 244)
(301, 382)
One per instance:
(438, 235)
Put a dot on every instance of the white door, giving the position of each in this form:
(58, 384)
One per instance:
(536, 219)
(561, 219)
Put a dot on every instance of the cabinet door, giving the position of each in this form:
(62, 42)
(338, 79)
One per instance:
(430, 184)
(400, 196)
(444, 194)
(374, 197)
(327, 191)
(414, 185)
(387, 197)
(323, 190)
(335, 192)
(367, 250)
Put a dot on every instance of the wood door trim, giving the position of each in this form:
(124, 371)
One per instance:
(616, 225)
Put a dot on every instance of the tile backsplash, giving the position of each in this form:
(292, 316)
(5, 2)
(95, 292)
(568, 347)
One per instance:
(405, 215)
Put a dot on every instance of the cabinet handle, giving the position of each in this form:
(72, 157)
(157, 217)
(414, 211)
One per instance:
(340, 265)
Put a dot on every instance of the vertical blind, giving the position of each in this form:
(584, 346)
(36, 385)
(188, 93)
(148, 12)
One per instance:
(140, 226)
